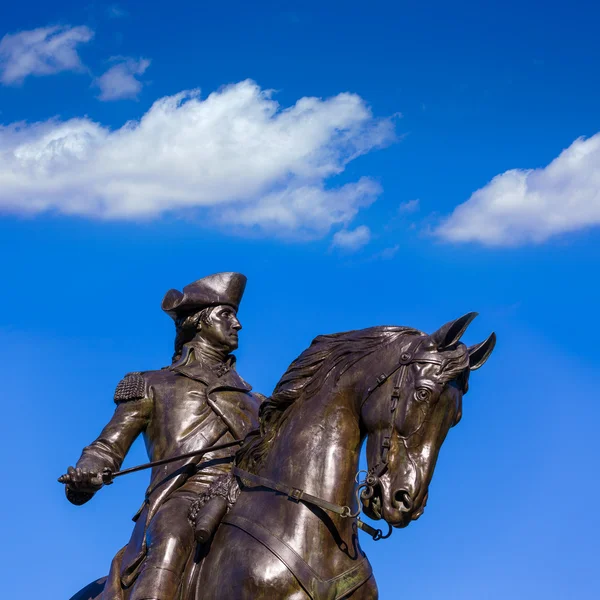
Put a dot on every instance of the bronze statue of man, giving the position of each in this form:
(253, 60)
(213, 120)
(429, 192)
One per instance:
(196, 402)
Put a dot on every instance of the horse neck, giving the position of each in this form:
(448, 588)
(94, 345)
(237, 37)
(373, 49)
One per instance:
(318, 446)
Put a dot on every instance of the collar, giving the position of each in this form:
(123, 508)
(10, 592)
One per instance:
(213, 373)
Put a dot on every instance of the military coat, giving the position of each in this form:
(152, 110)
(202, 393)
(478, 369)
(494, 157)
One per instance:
(193, 404)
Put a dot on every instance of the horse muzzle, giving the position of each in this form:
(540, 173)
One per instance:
(397, 508)
(401, 506)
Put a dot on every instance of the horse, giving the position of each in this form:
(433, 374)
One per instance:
(293, 531)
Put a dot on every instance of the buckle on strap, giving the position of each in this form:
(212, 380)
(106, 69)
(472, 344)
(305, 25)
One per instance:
(385, 448)
(295, 494)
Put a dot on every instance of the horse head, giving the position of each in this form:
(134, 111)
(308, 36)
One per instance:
(407, 414)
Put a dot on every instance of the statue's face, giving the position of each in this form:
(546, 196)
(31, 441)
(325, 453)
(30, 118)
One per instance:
(221, 330)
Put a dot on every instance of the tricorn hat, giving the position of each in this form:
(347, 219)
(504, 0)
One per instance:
(220, 288)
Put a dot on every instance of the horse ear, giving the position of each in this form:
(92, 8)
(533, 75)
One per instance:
(450, 333)
(479, 353)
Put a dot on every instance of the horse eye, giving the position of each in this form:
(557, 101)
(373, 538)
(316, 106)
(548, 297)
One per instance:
(422, 394)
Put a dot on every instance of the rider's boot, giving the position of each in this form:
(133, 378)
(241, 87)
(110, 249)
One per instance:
(170, 539)
(156, 583)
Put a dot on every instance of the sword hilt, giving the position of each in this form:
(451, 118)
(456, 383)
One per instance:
(107, 476)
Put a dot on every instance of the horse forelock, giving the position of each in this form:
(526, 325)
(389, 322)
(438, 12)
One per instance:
(327, 356)
(455, 365)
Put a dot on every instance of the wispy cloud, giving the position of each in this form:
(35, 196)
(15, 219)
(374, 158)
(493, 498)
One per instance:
(352, 239)
(389, 253)
(114, 11)
(409, 207)
(120, 81)
(42, 51)
(237, 156)
(530, 206)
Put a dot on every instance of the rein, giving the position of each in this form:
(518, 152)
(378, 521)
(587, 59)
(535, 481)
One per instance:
(293, 493)
(297, 495)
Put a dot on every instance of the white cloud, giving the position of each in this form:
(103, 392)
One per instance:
(42, 51)
(409, 207)
(120, 80)
(352, 239)
(303, 209)
(236, 156)
(530, 206)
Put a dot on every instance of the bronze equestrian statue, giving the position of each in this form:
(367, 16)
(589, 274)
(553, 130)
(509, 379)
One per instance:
(196, 402)
(292, 532)
(291, 528)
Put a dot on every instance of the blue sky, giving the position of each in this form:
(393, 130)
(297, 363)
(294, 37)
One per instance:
(362, 164)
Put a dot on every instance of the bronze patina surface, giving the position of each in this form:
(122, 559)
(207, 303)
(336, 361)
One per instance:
(288, 508)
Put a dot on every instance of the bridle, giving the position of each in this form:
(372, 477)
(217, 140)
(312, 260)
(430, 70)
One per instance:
(366, 488)
(412, 354)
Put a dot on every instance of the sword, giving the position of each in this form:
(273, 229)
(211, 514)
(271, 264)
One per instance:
(108, 475)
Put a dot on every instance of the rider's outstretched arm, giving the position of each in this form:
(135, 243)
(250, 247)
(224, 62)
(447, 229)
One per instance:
(131, 416)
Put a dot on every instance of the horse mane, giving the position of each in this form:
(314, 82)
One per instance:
(327, 356)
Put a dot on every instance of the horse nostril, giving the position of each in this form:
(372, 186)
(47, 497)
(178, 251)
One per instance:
(403, 501)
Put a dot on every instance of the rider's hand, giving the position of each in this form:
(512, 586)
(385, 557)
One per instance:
(82, 480)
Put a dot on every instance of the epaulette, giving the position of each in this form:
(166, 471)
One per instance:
(131, 387)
